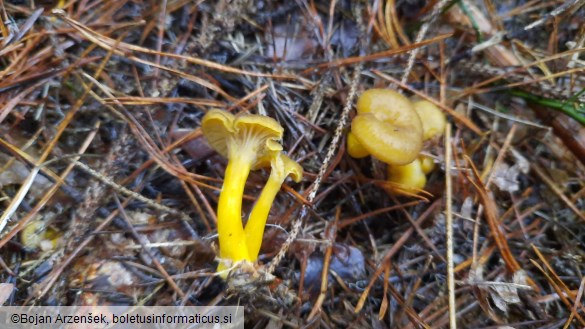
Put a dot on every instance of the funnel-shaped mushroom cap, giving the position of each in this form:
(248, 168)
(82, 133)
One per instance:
(388, 127)
(286, 166)
(433, 119)
(246, 133)
(217, 125)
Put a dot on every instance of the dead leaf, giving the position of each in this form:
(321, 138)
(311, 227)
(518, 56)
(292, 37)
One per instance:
(504, 293)
(15, 172)
(467, 207)
(5, 292)
(506, 177)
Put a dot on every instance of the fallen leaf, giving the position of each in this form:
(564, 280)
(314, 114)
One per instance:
(5, 292)
(506, 177)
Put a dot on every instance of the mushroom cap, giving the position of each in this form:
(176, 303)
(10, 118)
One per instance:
(282, 165)
(290, 167)
(354, 148)
(273, 148)
(217, 125)
(385, 104)
(433, 119)
(254, 135)
(388, 127)
(427, 164)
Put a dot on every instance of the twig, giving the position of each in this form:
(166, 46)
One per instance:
(142, 240)
(420, 36)
(548, 181)
(330, 234)
(107, 181)
(449, 224)
(296, 226)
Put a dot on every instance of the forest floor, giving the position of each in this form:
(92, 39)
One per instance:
(109, 191)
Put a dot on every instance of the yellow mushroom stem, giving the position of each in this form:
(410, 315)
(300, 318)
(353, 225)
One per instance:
(232, 240)
(233, 244)
(409, 178)
(282, 167)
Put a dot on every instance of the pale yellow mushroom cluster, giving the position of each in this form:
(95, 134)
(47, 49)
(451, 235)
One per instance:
(393, 128)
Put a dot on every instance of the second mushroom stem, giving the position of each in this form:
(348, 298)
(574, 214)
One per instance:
(282, 166)
(255, 227)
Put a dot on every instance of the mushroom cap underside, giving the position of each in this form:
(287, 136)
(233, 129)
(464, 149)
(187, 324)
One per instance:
(290, 167)
(255, 135)
(283, 166)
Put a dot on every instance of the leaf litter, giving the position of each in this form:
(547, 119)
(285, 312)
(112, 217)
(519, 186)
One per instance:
(109, 96)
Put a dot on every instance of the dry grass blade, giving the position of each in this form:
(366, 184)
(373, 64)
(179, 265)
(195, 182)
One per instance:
(349, 221)
(540, 172)
(18, 198)
(449, 230)
(390, 253)
(559, 291)
(491, 218)
(44, 155)
(419, 37)
(566, 291)
(384, 54)
(121, 48)
(577, 304)
(331, 234)
(163, 100)
(145, 139)
(333, 146)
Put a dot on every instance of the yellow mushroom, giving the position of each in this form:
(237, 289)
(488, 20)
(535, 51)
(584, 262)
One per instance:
(434, 122)
(282, 167)
(409, 178)
(433, 119)
(354, 148)
(245, 140)
(387, 126)
(392, 128)
(427, 164)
